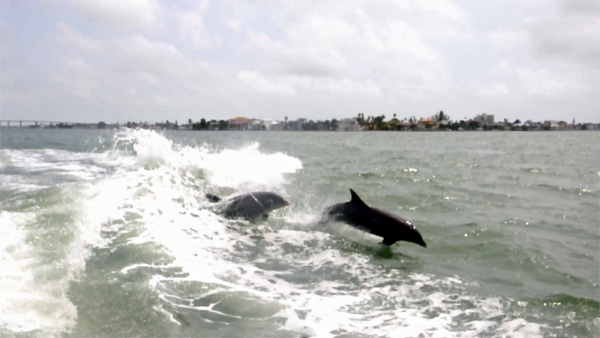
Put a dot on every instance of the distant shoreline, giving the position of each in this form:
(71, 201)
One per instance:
(440, 122)
(298, 131)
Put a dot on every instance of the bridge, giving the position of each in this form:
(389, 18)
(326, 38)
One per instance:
(44, 124)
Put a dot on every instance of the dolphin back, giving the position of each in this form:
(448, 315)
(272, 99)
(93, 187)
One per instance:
(251, 205)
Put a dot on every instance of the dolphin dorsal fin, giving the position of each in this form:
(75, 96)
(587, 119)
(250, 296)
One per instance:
(356, 200)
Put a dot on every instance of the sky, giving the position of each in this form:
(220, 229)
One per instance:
(152, 60)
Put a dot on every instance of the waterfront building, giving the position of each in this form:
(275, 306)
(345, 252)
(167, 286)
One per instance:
(239, 123)
(349, 125)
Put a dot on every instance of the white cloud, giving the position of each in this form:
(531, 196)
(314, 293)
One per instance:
(192, 26)
(502, 68)
(342, 86)
(78, 66)
(13, 93)
(494, 90)
(548, 85)
(353, 44)
(154, 59)
(350, 87)
(550, 58)
(162, 100)
(148, 78)
(125, 14)
(235, 25)
(264, 85)
(294, 58)
(68, 38)
(77, 78)
(575, 41)
(509, 40)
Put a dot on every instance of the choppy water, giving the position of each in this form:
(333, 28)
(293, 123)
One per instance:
(108, 234)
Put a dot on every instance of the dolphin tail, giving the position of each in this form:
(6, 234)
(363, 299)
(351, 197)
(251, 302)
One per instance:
(213, 198)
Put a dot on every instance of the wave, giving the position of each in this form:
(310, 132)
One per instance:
(79, 204)
(45, 243)
(143, 249)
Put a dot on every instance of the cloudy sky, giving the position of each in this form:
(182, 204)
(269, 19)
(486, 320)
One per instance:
(152, 60)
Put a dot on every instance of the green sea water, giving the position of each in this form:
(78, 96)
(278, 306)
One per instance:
(108, 234)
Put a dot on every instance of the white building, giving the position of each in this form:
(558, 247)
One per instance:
(349, 125)
(485, 119)
(277, 125)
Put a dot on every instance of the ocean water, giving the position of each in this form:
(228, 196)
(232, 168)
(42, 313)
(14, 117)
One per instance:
(108, 234)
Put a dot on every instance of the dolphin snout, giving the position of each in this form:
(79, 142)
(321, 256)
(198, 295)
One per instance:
(418, 239)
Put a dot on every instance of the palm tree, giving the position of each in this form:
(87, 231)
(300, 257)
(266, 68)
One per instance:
(442, 117)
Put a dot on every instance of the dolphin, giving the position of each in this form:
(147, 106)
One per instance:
(251, 205)
(375, 221)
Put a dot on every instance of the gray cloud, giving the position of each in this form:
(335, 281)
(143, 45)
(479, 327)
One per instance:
(149, 60)
(580, 8)
(575, 42)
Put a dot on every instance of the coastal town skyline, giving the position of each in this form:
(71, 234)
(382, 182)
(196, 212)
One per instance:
(153, 60)
(440, 121)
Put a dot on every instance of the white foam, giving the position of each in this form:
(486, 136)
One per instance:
(28, 303)
(242, 169)
(39, 169)
(150, 148)
(33, 293)
(248, 169)
(153, 181)
(519, 327)
(375, 307)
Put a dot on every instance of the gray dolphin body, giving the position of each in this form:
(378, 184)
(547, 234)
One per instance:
(376, 221)
(251, 205)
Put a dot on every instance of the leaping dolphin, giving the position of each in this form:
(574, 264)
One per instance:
(251, 205)
(376, 221)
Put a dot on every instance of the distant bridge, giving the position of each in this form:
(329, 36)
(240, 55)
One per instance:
(39, 123)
